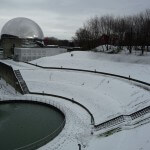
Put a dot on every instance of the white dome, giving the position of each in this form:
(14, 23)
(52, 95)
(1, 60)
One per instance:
(22, 28)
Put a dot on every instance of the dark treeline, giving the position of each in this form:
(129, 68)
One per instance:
(55, 41)
(120, 31)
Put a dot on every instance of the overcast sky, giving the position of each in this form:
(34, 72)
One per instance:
(61, 18)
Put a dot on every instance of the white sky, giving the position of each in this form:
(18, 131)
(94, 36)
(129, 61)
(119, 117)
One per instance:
(61, 18)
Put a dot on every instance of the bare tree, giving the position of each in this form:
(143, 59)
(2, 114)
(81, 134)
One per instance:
(128, 30)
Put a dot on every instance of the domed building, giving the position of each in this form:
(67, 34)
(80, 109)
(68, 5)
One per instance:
(20, 32)
(22, 40)
(23, 28)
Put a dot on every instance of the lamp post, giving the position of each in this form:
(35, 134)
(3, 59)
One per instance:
(79, 146)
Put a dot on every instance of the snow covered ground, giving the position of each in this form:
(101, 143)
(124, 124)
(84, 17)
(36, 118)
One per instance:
(124, 64)
(7, 90)
(105, 97)
(77, 128)
(134, 139)
(109, 97)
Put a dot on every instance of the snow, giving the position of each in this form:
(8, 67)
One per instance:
(85, 88)
(106, 97)
(17, 65)
(136, 66)
(103, 48)
(6, 89)
(135, 139)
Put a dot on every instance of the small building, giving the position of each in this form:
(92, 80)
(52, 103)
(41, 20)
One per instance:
(8, 44)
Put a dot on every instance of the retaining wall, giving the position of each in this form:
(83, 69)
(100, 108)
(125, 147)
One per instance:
(7, 73)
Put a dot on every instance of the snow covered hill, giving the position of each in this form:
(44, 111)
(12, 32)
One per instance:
(123, 64)
(106, 97)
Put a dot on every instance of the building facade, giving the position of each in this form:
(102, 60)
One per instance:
(28, 54)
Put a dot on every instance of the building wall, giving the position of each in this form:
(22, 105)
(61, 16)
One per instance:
(28, 54)
(8, 44)
(1, 54)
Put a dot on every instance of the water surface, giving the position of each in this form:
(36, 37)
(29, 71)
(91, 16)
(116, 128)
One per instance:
(24, 123)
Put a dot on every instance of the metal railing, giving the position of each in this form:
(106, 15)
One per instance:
(91, 71)
(21, 82)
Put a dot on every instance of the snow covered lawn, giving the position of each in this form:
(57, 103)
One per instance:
(123, 64)
(105, 97)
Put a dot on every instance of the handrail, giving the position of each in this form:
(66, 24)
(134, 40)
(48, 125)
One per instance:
(23, 82)
(121, 118)
(18, 80)
(95, 71)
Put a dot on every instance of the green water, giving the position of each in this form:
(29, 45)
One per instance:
(24, 123)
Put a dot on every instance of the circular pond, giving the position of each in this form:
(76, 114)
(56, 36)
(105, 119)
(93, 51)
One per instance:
(28, 124)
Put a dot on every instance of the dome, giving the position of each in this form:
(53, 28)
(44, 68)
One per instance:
(22, 28)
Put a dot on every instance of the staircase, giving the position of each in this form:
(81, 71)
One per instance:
(127, 120)
(21, 82)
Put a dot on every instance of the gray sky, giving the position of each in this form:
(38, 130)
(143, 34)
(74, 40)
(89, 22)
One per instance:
(61, 18)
